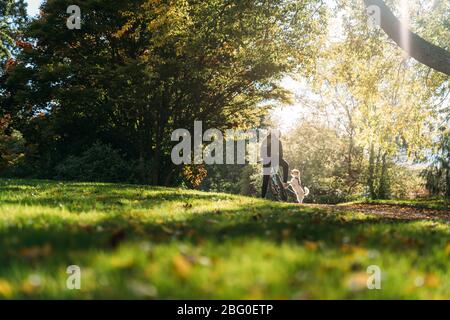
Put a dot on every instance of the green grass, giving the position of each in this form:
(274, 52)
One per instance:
(159, 243)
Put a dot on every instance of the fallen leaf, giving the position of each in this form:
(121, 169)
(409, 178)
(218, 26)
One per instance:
(432, 281)
(311, 245)
(36, 251)
(447, 250)
(182, 266)
(5, 289)
(357, 281)
(122, 262)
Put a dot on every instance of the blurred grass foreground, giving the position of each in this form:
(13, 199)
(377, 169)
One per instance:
(160, 243)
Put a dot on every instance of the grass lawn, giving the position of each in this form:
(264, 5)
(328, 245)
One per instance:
(160, 243)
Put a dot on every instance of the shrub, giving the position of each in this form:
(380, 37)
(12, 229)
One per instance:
(12, 145)
(98, 163)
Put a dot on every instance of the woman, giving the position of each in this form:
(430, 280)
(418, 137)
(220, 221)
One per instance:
(267, 154)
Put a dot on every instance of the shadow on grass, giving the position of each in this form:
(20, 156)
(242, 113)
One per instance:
(263, 221)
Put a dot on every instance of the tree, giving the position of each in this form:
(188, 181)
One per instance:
(438, 173)
(319, 151)
(12, 18)
(137, 70)
(423, 51)
(11, 144)
(379, 102)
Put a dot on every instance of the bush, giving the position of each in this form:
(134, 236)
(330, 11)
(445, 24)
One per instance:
(98, 163)
(326, 195)
(12, 145)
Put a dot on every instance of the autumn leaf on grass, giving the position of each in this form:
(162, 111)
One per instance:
(357, 281)
(356, 251)
(5, 289)
(31, 284)
(27, 288)
(432, 281)
(36, 251)
(311, 245)
(447, 250)
(121, 261)
(346, 248)
(181, 266)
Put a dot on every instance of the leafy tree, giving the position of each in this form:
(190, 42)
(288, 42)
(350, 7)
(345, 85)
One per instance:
(11, 144)
(319, 152)
(137, 70)
(438, 173)
(384, 103)
(12, 17)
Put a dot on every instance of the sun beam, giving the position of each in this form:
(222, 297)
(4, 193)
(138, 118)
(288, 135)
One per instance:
(405, 19)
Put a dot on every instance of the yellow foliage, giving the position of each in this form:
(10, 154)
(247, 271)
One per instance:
(182, 266)
(6, 290)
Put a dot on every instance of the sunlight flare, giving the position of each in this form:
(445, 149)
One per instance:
(405, 19)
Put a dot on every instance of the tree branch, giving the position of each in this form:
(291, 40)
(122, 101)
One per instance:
(420, 49)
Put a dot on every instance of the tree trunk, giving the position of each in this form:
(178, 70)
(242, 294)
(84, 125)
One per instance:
(371, 179)
(383, 192)
(423, 51)
(446, 167)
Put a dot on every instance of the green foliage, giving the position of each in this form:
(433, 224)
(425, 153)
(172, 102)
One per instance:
(12, 18)
(98, 163)
(137, 70)
(250, 182)
(438, 173)
(5, 38)
(322, 156)
(11, 145)
(223, 178)
(377, 98)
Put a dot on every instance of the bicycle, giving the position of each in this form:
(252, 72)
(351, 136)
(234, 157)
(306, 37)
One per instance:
(276, 190)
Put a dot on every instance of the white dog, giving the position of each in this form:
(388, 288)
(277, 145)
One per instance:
(296, 184)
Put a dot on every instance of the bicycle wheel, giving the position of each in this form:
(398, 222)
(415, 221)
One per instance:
(281, 190)
(273, 192)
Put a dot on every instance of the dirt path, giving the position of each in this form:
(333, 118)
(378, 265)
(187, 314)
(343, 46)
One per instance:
(392, 211)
